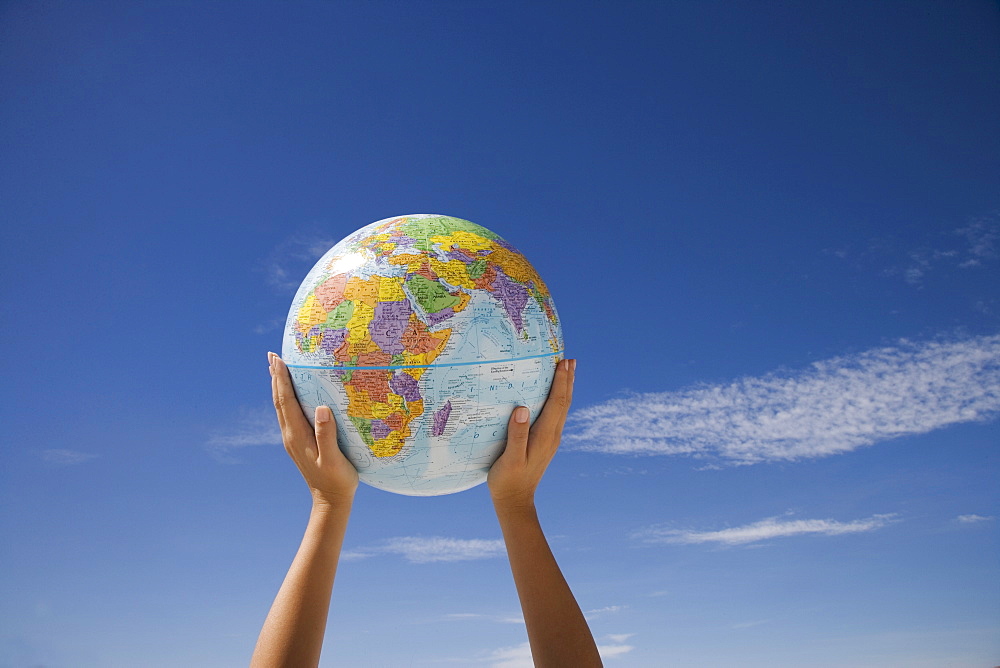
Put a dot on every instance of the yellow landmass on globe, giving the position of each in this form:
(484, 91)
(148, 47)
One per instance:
(357, 326)
(455, 272)
(390, 289)
(311, 314)
(465, 240)
(360, 290)
(409, 259)
(515, 266)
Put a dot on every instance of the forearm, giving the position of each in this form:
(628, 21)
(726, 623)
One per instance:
(293, 631)
(557, 630)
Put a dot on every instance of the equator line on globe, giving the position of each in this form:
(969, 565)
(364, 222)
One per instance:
(422, 333)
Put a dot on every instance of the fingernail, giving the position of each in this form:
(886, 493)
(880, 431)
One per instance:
(270, 358)
(572, 365)
(323, 414)
(521, 414)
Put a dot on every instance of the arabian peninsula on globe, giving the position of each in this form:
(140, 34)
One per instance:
(422, 333)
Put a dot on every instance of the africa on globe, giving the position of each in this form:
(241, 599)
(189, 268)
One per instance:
(422, 333)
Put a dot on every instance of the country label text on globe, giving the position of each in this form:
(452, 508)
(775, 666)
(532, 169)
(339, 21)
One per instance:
(422, 333)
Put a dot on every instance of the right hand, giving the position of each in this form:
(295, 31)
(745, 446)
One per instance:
(513, 478)
(331, 477)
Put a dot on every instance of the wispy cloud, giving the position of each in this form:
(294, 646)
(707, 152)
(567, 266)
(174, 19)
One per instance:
(766, 529)
(253, 427)
(831, 407)
(66, 457)
(982, 236)
(272, 325)
(973, 519)
(606, 610)
(511, 657)
(422, 550)
(499, 619)
(288, 263)
(519, 656)
(611, 651)
(918, 261)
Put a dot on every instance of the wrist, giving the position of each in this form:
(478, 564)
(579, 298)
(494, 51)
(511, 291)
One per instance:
(324, 502)
(512, 507)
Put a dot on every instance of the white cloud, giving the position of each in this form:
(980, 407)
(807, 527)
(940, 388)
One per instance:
(920, 262)
(619, 638)
(519, 656)
(512, 657)
(599, 612)
(422, 550)
(272, 325)
(982, 236)
(499, 619)
(418, 549)
(917, 260)
(289, 262)
(973, 519)
(834, 406)
(66, 457)
(611, 651)
(358, 554)
(254, 427)
(765, 529)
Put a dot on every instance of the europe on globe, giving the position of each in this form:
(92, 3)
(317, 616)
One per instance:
(422, 333)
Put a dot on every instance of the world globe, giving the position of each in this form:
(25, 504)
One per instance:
(422, 333)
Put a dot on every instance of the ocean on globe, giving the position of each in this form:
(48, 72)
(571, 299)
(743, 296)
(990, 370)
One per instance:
(422, 333)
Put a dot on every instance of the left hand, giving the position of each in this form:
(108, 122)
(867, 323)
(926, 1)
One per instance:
(331, 477)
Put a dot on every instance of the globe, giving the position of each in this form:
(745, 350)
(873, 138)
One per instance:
(422, 333)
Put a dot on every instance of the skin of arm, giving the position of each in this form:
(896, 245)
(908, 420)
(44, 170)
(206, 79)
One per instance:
(292, 634)
(557, 630)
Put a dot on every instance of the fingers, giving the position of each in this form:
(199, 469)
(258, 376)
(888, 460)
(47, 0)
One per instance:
(326, 433)
(570, 378)
(290, 417)
(553, 415)
(517, 435)
(274, 390)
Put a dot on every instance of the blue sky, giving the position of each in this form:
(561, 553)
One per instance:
(772, 233)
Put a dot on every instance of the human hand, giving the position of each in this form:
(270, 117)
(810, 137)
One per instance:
(331, 477)
(513, 478)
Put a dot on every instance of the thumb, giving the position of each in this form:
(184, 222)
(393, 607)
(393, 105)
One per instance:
(326, 433)
(517, 434)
